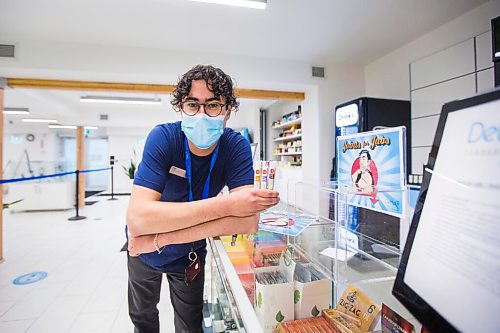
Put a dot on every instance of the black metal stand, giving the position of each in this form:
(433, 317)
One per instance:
(77, 217)
(112, 186)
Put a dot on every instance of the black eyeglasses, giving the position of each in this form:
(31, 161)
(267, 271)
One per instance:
(212, 109)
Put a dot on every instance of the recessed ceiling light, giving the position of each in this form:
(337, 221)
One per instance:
(16, 111)
(257, 4)
(39, 120)
(62, 126)
(72, 126)
(120, 100)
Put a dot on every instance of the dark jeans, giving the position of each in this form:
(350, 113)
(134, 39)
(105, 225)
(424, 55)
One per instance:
(144, 284)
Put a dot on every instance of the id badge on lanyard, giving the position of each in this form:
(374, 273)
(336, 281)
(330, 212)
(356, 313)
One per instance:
(194, 267)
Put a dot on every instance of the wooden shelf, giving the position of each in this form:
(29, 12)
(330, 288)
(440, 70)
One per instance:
(288, 138)
(287, 154)
(289, 123)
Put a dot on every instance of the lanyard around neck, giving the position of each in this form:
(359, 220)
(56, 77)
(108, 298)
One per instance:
(189, 173)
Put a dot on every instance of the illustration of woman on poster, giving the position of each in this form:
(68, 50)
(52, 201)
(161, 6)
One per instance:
(364, 174)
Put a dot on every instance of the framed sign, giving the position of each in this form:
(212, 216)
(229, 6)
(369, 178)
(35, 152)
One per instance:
(371, 165)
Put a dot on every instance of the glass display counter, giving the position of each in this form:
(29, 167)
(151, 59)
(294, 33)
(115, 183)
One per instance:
(343, 255)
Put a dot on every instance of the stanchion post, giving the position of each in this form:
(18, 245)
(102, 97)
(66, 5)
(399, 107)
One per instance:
(77, 197)
(112, 185)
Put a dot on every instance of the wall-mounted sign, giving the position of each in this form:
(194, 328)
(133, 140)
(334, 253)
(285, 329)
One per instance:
(371, 166)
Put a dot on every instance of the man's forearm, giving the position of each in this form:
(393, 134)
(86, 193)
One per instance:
(159, 217)
(148, 215)
(221, 227)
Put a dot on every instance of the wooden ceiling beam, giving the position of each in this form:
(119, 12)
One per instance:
(141, 88)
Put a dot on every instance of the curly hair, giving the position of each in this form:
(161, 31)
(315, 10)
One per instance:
(218, 82)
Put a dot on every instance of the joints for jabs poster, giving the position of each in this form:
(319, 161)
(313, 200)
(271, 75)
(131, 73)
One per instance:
(372, 164)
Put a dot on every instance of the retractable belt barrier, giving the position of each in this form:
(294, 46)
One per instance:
(76, 172)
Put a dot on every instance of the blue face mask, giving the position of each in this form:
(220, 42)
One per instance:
(203, 131)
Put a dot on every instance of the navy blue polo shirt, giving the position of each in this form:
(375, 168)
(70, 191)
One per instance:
(164, 149)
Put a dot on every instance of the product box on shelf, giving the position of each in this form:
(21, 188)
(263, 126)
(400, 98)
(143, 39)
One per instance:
(274, 289)
(343, 323)
(355, 312)
(242, 263)
(264, 248)
(317, 324)
(312, 296)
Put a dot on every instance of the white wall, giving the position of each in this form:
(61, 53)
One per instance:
(42, 59)
(42, 151)
(345, 83)
(121, 144)
(245, 118)
(422, 71)
(388, 77)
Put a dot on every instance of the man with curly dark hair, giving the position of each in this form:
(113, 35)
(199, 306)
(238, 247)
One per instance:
(175, 204)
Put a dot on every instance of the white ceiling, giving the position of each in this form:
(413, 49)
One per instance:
(313, 31)
(356, 31)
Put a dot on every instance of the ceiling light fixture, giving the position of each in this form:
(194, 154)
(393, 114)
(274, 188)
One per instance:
(256, 4)
(120, 100)
(38, 120)
(62, 126)
(72, 126)
(16, 111)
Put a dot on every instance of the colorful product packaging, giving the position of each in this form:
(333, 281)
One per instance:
(318, 324)
(343, 322)
(272, 175)
(265, 174)
(265, 169)
(393, 322)
(258, 174)
(357, 304)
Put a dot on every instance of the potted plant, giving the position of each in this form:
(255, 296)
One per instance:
(130, 170)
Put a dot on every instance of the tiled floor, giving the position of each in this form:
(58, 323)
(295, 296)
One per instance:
(86, 286)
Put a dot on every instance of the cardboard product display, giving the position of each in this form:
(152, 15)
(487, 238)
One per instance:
(274, 302)
(312, 297)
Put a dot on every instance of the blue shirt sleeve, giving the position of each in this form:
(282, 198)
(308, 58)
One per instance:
(153, 169)
(241, 168)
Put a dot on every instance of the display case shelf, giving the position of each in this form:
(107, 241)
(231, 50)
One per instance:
(360, 260)
(288, 123)
(228, 284)
(288, 154)
(288, 138)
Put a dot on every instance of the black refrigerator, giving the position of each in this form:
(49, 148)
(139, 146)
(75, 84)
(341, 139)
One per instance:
(362, 115)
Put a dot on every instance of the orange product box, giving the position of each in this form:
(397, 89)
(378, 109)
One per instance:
(239, 258)
(315, 324)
